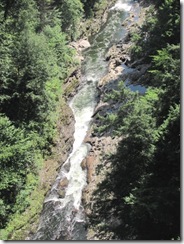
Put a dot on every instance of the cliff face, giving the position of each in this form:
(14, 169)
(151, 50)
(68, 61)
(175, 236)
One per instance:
(93, 25)
(65, 124)
(65, 130)
(102, 144)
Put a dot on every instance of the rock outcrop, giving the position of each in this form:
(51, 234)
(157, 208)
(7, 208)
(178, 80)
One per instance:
(66, 130)
(120, 67)
(80, 45)
(65, 124)
(92, 25)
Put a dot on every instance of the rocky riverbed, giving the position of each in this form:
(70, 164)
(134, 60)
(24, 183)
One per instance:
(65, 126)
(119, 60)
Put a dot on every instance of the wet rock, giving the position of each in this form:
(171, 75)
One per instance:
(67, 166)
(62, 186)
(99, 108)
(111, 53)
(88, 212)
(83, 164)
(139, 71)
(125, 22)
(114, 74)
(63, 183)
(61, 193)
(80, 45)
(83, 44)
(65, 127)
(125, 47)
(118, 70)
(90, 160)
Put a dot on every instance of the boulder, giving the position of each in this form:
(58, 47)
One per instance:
(138, 72)
(112, 52)
(83, 44)
(61, 193)
(79, 46)
(63, 183)
(118, 70)
(83, 164)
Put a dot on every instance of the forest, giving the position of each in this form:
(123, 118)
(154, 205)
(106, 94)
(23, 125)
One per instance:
(144, 179)
(35, 60)
(143, 182)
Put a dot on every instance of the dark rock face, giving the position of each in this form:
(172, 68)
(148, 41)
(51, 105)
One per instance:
(62, 220)
(65, 130)
(91, 27)
(120, 67)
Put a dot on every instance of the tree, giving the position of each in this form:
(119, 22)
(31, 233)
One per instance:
(162, 23)
(165, 73)
(130, 164)
(71, 12)
(88, 7)
(35, 59)
(32, 61)
(158, 197)
(16, 159)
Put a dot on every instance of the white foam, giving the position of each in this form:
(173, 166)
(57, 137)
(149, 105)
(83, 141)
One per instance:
(121, 6)
(83, 106)
(51, 199)
(76, 176)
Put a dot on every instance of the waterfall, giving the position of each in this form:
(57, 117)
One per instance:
(122, 5)
(63, 217)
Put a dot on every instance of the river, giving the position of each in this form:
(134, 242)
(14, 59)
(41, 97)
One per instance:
(63, 216)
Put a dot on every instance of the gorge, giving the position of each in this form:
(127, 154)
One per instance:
(63, 216)
(90, 120)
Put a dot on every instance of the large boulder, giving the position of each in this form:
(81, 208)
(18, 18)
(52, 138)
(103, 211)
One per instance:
(83, 44)
(80, 45)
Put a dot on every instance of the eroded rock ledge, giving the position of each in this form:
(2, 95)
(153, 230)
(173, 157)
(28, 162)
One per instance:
(66, 121)
(102, 144)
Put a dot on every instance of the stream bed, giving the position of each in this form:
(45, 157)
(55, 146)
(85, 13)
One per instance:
(63, 216)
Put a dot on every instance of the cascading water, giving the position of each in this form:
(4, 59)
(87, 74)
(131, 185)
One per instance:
(63, 217)
(121, 5)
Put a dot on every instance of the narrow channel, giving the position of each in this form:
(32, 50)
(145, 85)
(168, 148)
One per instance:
(63, 217)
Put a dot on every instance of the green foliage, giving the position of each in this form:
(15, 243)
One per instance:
(57, 43)
(71, 12)
(16, 159)
(89, 7)
(22, 15)
(125, 98)
(159, 192)
(35, 59)
(144, 180)
(144, 176)
(30, 71)
(166, 74)
(162, 27)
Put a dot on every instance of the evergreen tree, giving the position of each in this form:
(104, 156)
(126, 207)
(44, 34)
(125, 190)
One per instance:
(71, 14)
(89, 6)
(35, 59)
(16, 159)
(144, 180)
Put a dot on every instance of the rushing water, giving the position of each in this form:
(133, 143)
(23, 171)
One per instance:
(63, 217)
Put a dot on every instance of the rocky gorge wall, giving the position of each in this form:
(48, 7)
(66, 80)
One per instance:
(65, 124)
(102, 144)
